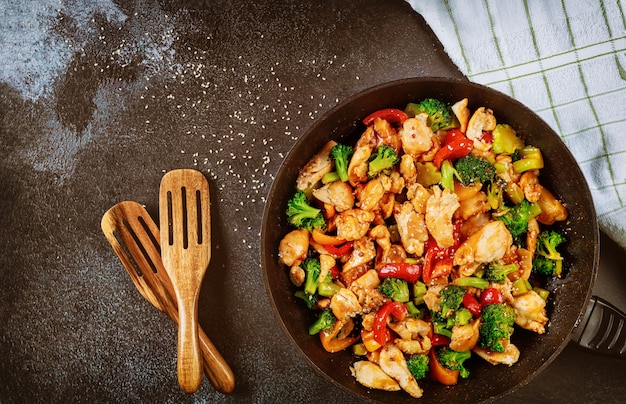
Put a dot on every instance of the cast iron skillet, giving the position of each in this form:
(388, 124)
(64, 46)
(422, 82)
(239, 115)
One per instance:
(561, 175)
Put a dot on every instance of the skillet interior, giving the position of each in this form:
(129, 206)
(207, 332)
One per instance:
(561, 175)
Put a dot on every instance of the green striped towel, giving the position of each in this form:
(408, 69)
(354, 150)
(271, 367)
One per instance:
(564, 59)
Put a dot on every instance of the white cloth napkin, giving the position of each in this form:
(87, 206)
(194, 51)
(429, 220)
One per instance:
(566, 60)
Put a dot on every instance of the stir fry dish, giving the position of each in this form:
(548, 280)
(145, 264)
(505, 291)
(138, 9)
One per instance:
(424, 245)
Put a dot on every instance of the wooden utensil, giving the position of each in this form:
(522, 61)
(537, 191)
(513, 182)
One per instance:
(184, 213)
(135, 238)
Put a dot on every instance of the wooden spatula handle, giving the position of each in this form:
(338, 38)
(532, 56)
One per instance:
(190, 371)
(215, 367)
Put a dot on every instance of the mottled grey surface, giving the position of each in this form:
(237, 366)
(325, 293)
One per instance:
(98, 99)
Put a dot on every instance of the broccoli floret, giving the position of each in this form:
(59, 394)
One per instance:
(505, 140)
(528, 158)
(326, 287)
(302, 215)
(440, 116)
(496, 272)
(312, 270)
(473, 169)
(516, 218)
(309, 300)
(548, 261)
(450, 299)
(496, 326)
(382, 160)
(325, 321)
(395, 289)
(448, 173)
(418, 365)
(341, 153)
(453, 360)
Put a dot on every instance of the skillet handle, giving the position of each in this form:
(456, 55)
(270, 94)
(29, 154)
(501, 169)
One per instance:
(602, 329)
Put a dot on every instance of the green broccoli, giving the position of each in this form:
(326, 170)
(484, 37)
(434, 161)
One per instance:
(528, 158)
(384, 158)
(454, 360)
(325, 321)
(461, 317)
(312, 270)
(496, 326)
(309, 300)
(326, 287)
(496, 272)
(418, 365)
(516, 218)
(473, 169)
(395, 289)
(302, 215)
(440, 116)
(505, 140)
(548, 261)
(472, 282)
(450, 299)
(448, 173)
(341, 154)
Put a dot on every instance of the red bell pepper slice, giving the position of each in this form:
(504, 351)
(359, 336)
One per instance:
(487, 136)
(401, 270)
(397, 310)
(491, 296)
(340, 250)
(391, 115)
(439, 340)
(471, 304)
(455, 145)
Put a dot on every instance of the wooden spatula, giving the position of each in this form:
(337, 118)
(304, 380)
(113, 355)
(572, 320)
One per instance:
(184, 214)
(135, 239)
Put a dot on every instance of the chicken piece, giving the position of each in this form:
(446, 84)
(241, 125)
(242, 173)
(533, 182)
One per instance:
(411, 328)
(552, 210)
(473, 205)
(465, 337)
(413, 334)
(509, 357)
(337, 193)
(381, 235)
(418, 195)
(462, 113)
(393, 363)
(397, 182)
(530, 312)
(371, 194)
(357, 169)
(473, 224)
(440, 208)
(386, 205)
(369, 298)
(482, 120)
(412, 229)
(525, 259)
(345, 305)
(432, 298)
(372, 376)
(408, 170)
(368, 280)
(353, 224)
(294, 247)
(363, 252)
(488, 244)
(316, 168)
(416, 135)
(387, 134)
(531, 235)
(327, 262)
(505, 289)
(530, 185)
(297, 275)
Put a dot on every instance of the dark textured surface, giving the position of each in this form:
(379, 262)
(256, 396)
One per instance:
(99, 98)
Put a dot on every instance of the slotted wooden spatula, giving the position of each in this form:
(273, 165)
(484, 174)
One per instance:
(184, 214)
(135, 239)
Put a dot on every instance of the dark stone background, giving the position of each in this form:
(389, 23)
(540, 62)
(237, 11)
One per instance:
(99, 98)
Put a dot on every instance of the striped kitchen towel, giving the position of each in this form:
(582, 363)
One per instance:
(564, 59)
